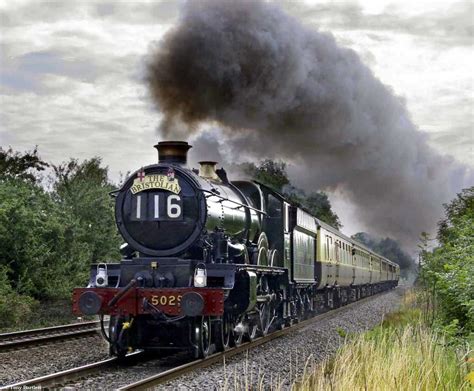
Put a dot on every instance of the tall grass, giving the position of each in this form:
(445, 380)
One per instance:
(400, 354)
(403, 353)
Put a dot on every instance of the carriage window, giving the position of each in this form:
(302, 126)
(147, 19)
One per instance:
(327, 247)
(331, 249)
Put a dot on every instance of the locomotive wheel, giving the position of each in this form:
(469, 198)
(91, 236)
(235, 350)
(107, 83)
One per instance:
(223, 333)
(262, 257)
(252, 332)
(337, 298)
(204, 335)
(307, 306)
(274, 258)
(235, 338)
(118, 337)
(266, 316)
(265, 309)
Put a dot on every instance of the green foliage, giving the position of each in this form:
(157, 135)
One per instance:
(402, 353)
(14, 165)
(40, 243)
(316, 203)
(273, 174)
(49, 239)
(462, 206)
(14, 308)
(82, 189)
(342, 333)
(448, 270)
(270, 173)
(387, 247)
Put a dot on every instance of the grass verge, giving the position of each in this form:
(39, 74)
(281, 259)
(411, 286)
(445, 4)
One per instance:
(403, 353)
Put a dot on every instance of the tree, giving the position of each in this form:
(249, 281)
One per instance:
(83, 189)
(49, 239)
(462, 205)
(14, 165)
(270, 173)
(14, 308)
(316, 203)
(365, 239)
(387, 247)
(40, 250)
(448, 270)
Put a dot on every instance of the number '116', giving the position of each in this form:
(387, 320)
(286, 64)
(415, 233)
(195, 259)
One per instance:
(173, 206)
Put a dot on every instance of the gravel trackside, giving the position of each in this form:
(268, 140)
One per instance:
(277, 364)
(31, 362)
(274, 365)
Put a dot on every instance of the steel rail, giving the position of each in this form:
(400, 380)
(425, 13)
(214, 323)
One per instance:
(58, 379)
(24, 338)
(165, 376)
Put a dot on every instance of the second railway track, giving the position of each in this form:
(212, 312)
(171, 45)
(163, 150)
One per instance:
(28, 338)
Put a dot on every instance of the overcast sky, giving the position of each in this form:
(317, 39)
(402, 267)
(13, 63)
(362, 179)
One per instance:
(71, 72)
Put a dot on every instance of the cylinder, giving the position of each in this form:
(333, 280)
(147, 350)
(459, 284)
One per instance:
(175, 152)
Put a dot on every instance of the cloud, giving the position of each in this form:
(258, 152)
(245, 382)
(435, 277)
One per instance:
(70, 82)
(452, 27)
(71, 72)
(281, 90)
(130, 12)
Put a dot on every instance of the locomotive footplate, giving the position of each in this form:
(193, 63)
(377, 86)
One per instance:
(139, 301)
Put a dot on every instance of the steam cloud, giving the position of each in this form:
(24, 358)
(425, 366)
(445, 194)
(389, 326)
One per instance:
(280, 90)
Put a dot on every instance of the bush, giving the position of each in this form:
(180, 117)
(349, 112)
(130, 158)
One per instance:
(40, 248)
(448, 271)
(15, 309)
(50, 239)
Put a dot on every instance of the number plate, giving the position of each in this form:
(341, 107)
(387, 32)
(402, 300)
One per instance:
(165, 300)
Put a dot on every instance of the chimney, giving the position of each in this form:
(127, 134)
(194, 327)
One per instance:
(207, 170)
(175, 152)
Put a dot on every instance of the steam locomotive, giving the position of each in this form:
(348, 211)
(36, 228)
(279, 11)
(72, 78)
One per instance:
(209, 262)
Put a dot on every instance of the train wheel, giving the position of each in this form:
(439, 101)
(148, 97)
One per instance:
(265, 309)
(223, 333)
(266, 316)
(252, 332)
(308, 305)
(337, 299)
(203, 328)
(236, 338)
(119, 336)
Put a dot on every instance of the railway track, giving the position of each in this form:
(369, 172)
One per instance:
(27, 338)
(165, 376)
(73, 375)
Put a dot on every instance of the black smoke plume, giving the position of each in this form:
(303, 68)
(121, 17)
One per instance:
(280, 90)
